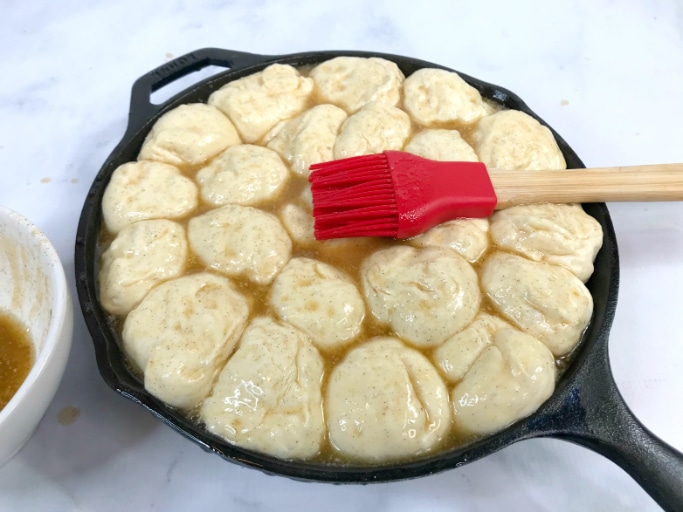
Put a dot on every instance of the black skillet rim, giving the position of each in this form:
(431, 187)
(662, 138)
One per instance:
(548, 420)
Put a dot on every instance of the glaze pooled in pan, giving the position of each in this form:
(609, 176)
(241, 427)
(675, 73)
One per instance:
(374, 315)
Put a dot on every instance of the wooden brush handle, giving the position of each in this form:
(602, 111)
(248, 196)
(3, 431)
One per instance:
(663, 182)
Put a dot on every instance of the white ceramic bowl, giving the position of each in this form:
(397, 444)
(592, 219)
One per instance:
(33, 288)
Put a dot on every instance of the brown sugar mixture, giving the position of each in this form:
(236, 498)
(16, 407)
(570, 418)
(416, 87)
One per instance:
(17, 356)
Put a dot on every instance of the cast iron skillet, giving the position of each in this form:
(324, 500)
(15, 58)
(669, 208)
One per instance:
(586, 407)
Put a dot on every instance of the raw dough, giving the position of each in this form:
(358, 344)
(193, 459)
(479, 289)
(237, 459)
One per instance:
(436, 97)
(544, 300)
(267, 397)
(181, 334)
(189, 135)
(244, 174)
(425, 295)
(441, 145)
(241, 240)
(307, 139)
(512, 140)
(147, 190)
(353, 82)
(373, 129)
(141, 256)
(320, 300)
(510, 379)
(562, 234)
(467, 237)
(386, 401)
(256, 103)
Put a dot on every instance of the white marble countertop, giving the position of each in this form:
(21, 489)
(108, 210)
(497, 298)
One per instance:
(606, 75)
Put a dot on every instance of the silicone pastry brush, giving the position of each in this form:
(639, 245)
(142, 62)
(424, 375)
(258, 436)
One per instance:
(400, 195)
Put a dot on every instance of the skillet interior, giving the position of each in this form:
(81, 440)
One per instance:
(551, 417)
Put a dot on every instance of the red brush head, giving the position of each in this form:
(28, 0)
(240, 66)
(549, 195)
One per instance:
(395, 194)
(430, 192)
(353, 197)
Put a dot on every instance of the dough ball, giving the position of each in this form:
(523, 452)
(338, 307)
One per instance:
(307, 139)
(373, 129)
(307, 198)
(436, 97)
(442, 145)
(267, 397)
(513, 140)
(510, 379)
(299, 223)
(467, 237)
(353, 82)
(554, 233)
(459, 352)
(320, 300)
(491, 106)
(189, 135)
(244, 174)
(424, 295)
(146, 190)
(141, 256)
(544, 300)
(241, 241)
(386, 401)
(256, 103)
(181, 334)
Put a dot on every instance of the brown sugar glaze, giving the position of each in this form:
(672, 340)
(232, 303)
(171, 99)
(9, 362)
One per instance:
(346, 256)
(17, 356)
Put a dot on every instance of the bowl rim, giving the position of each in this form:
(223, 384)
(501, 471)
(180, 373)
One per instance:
(59, 303)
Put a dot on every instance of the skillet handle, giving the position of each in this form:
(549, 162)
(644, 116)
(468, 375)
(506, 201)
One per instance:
(141, 106)
(596, 416)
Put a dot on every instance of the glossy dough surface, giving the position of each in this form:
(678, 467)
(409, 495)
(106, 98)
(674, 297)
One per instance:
(147, 190)
(298, 222)
(308, 138)
(353, 82)
(543, 300)
(256, 103)
(441, 145)
(373, 129)
(436, 97)
(510, 379)
(241, 240)
(189, 135)
(245, 174)
(181, 334)
(356, 350)
(562, 234)
(320, 300)
(386, 401)
(514, 140)
(467, 237)
(424, 295)
(268, 397)
(141, 256)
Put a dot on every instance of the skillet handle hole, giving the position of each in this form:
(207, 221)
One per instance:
(152, 92)
(167, 91)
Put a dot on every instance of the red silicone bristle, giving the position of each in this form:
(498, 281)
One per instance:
(353, 197)
(354, 163)
(396, 194)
